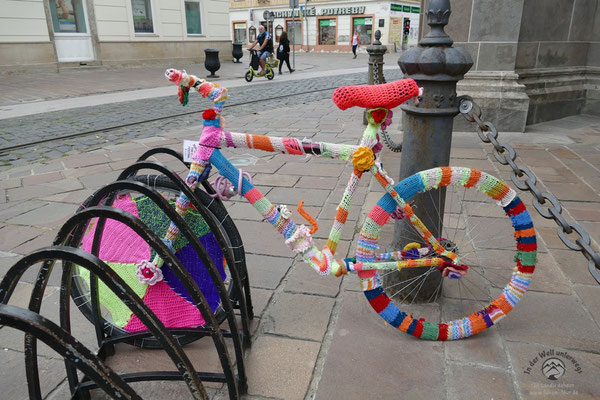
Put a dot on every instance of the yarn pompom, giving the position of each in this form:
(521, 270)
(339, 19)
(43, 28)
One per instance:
(209, 114)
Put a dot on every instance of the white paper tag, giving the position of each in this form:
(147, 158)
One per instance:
(189, 149)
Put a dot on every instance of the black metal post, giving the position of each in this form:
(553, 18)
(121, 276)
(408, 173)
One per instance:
(436, 66)
(376, 52)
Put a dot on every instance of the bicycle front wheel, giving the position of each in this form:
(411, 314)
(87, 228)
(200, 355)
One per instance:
(487, 239)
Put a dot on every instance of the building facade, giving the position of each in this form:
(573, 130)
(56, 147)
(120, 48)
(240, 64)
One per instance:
(327, 25)
(45, 34)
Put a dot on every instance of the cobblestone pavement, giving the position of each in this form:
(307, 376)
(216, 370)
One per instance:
(243, 100)
(316, 337)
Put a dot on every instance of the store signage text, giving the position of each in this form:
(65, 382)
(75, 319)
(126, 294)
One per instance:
(311, 12)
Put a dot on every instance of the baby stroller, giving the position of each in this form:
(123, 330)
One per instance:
(271, 63)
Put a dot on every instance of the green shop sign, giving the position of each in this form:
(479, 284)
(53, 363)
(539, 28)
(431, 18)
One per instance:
(403, 8)
(327, 22)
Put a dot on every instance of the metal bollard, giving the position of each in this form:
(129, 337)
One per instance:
(376, 52)
(436, 66)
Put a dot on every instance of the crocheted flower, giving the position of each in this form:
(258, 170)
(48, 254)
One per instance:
(378, 115)
(388, 120)
(284, 211)
(149, 273)
(363, 158)
(209, 114)
(301, 240)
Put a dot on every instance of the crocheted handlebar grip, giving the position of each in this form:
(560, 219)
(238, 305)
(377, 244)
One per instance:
(388, 95)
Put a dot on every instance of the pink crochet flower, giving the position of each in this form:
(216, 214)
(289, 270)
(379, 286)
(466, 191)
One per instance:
(388, 120)
(149, 273)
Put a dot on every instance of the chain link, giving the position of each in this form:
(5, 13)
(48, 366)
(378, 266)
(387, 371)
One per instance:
(506, 155)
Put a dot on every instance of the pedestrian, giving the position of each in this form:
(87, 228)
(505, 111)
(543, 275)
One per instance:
(355, 42)
(265, 43)
(283, 52)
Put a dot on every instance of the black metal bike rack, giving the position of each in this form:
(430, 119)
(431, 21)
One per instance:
(66, 248)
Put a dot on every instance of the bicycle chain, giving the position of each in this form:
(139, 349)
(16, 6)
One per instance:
(506, 155)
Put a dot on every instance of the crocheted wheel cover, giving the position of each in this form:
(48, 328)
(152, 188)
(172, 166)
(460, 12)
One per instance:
(388, 95)
(525, 256)
(122, 249)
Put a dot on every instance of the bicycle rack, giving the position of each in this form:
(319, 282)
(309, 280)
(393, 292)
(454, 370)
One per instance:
(66, 249)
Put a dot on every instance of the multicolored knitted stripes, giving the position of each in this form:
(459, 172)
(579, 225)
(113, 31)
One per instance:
(342, 210)
(285, 226)
(478, 321)
(182, 203)
(287, 145)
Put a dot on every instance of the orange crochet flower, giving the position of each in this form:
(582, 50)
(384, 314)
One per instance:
(363, 158)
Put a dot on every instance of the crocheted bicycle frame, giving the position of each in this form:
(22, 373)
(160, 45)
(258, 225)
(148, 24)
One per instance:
(380, 99)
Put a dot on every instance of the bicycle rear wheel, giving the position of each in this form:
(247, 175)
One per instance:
(487, 238)
(167, 298)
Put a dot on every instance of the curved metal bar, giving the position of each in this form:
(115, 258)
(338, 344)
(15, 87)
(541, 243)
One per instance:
(178, 269)
(202, 253)
(115, 283)
(67, 346)
(176, 154)
(238, 284)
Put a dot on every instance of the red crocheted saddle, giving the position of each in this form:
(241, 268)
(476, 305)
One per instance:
(388, 95)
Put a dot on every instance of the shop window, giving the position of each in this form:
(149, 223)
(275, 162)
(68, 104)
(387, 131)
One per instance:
(294, 31)
(252, 34)
(278, 32)
(142, 16)
(192, 17)
(364, 27)
(327, 31)
(239, 33)
(68, 16)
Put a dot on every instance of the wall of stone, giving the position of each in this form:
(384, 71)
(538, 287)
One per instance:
(557, 58)
(544, 52)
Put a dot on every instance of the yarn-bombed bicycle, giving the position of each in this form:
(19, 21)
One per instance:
(464, 255)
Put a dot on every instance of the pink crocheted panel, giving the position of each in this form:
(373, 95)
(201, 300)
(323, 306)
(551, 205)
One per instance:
(169, 307)
(119, 242)
(388, 95)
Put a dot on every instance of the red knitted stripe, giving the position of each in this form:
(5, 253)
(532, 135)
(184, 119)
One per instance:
(527, 246)
(380, 302)
(526, 269)
(253, 195)
(419, 328)
(442, 332)
(518, 209)
(379, 215)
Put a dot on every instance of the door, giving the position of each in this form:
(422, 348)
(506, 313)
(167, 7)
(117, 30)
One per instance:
(71, 30)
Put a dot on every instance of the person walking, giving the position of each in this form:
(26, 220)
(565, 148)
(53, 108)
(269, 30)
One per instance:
(283, 51)
(355, 42)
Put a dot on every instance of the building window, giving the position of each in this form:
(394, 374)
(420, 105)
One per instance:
(364, 27)
(142, 16)
(68, 16)
(192, 17)
(327, 31)
(252, 34)
(294, 31)
(239, 33)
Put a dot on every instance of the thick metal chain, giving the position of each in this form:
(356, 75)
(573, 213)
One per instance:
(525, 180)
